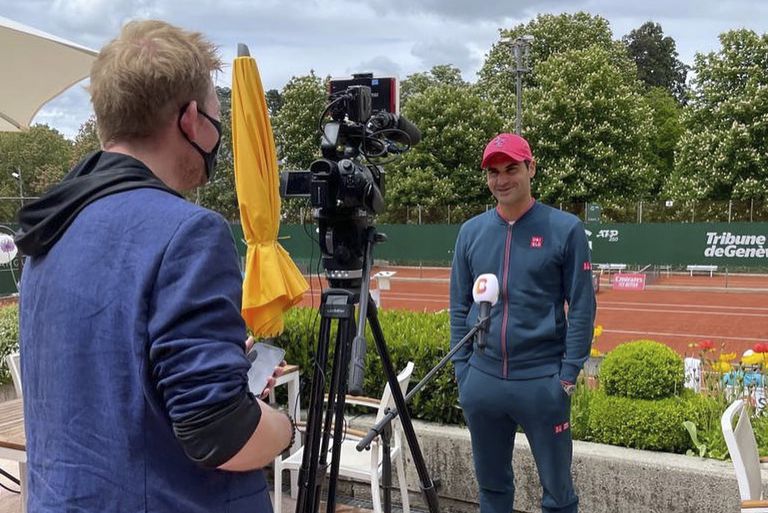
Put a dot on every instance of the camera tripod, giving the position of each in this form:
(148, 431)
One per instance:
(339, 303)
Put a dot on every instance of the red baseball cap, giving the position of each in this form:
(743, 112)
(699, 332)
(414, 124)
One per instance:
(507, 145)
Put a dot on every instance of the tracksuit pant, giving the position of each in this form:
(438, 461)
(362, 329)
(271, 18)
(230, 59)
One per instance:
(494, 408)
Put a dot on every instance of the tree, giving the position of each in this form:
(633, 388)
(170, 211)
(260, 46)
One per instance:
(297, 130)
(443, 74)
(553, 34)
(444, 169)
(588, 128)
(297, 125)
(664, 135)
(45, 177)
(220, 194)
(274, 102)
(656, 58)
(39, 151)
(723, 152)
(86, 141)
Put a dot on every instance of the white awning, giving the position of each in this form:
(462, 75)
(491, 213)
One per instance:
(35, 67)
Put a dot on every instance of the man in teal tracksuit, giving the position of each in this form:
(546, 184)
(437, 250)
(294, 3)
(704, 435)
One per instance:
(534, 351)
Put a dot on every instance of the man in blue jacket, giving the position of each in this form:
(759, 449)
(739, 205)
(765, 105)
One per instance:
(132, 345)
(527, 371)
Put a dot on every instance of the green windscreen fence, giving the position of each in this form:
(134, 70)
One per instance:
(730, 245)
(724, 244)
(406, 244)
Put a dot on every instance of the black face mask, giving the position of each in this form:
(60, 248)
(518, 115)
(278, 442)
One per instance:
(209, 157)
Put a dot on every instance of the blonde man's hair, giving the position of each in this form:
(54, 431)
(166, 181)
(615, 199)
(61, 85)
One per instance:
(146, 75)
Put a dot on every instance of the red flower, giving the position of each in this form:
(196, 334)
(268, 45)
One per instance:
(760, 348)
(706, 345)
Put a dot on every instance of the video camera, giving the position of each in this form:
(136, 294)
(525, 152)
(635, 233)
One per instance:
(345, 193)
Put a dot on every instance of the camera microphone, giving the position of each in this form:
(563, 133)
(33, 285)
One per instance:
(485, 292)
(399, 128)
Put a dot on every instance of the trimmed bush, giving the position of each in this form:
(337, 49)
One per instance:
(655, 425)
(424, 338)
(411, 336)
(301, 325)
(580, 411)
(760, 427)
(9, 338)
(642, 369)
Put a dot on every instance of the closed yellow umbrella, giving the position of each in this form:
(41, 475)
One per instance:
(272, 282)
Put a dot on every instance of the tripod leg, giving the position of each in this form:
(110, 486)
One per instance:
(308, 484)
(336, 304)
(427, 486)
(343, 346)
(333, 394)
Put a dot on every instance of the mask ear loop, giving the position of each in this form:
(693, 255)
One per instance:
(193, 143)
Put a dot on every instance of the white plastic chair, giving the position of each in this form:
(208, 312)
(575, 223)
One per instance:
(14, 365)
(742, 447)
(13, 361)
(365, 465)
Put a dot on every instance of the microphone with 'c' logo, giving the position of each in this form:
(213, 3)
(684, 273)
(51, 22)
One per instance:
(485, 292)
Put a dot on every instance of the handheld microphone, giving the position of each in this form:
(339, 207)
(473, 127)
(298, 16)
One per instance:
(485, 292)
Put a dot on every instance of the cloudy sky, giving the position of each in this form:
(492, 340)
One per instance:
(341, 37)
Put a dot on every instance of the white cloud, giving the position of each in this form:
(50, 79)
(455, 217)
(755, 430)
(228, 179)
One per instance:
(444, 51)
(67, 112)
(341, 37)
(380, 66)
(101, 18)
(497, 10)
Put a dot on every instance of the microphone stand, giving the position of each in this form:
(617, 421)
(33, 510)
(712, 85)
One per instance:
(391, 414)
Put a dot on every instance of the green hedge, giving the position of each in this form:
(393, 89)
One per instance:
(760, 427)
(423, 338)
(9, 338)
(642, 369)
(580, 402)
(623, 421)
(655, 425)
(411, 336)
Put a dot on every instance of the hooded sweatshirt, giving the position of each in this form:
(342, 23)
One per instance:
(130, 328)
(100, 174)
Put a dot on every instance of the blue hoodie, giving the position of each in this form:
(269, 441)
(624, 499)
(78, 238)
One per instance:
(542, 262)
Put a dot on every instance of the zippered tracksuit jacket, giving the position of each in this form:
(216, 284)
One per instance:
(542, 262)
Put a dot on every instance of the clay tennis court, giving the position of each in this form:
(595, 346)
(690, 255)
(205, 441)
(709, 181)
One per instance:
(677, 310)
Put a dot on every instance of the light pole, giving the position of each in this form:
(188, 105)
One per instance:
(17, 175)
(521, 51)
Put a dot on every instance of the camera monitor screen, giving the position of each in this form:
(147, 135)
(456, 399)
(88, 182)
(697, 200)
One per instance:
(385, 94)
(295, 184)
